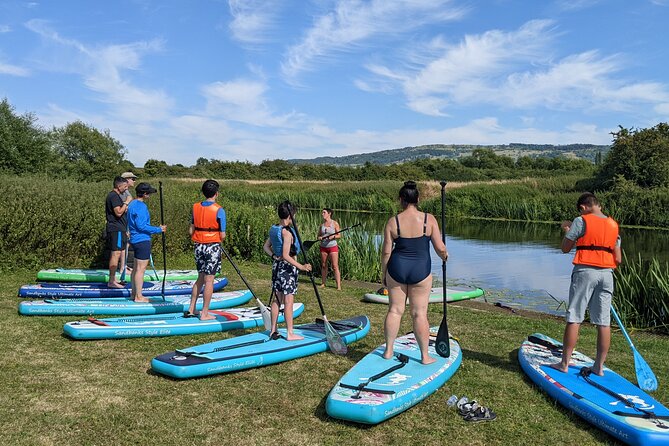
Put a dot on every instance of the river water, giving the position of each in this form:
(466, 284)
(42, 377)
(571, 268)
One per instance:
(519, 264)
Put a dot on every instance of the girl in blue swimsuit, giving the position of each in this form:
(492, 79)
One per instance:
(406, 266)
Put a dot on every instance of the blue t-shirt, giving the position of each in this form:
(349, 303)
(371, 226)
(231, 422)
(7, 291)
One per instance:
(139, 222)
(220, 216)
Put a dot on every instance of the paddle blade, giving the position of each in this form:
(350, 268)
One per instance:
(266, 315)
(443, 344)
(644, 375)
(334, 340)
(308, 244)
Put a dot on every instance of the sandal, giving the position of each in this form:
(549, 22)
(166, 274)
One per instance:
(466, 407)
(480, 414)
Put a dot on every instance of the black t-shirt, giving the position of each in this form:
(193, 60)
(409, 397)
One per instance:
(115, 223)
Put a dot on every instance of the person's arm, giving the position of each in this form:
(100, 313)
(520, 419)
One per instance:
(435, 237)
(220, 216)
(573, 231)
(336, 226)
(386, 250)
(285, 254)
(191, 228)
(618, 253)
(267, 247)
(142, 221)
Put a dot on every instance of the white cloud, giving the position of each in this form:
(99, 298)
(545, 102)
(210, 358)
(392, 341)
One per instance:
(252, 20)
(351, 22)
(575, 5)
(13, 70)
(104, 70)
(5, 28)
(512, 70)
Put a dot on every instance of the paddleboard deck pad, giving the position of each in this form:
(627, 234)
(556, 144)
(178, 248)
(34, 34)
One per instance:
(102, 275)
(255, 349)
(639, 420)
(126, 307)
(453, 294)
(170, 324)
(376, 389)
(101, 290)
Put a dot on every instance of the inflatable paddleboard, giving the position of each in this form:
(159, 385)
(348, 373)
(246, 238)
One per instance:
(169, 324)
(453, 294)
(119, 306)
(255, 350)
(100, 290)
(624, 411)
(102, 275)
(376, 389)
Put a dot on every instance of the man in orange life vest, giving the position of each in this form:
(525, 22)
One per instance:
(597, 253)
(207, 230)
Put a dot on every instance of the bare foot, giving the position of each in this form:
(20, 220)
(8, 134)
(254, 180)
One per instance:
(294, 337)
(339, 289)
(322, 285)
(114, 285)
(428, 360)
(207, 317)
(559, 367)
(596, 371)
(141, 299)
(388, 354)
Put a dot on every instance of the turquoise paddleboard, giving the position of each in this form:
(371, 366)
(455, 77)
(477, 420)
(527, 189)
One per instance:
(126, 307)
(102, 275)
(169, 324)
(376, 389)
(453, 294)
(101, 290)
(254, 350)
(609, 402)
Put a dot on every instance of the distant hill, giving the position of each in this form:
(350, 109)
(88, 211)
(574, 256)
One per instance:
(514, 150)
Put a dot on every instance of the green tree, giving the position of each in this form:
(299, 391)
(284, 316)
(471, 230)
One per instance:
(24, 147)
(88, 152)
(639, 156)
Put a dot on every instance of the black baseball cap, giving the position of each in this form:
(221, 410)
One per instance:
(144, 188)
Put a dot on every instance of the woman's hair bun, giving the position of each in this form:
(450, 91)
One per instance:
(410, 184)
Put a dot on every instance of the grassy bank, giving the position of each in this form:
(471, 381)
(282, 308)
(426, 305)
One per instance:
(56, 391)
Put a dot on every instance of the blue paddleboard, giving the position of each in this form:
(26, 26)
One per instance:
(401, 382)
(126, 307)
(169, 324)
(100, 290)
(255, 350)
(640, 421)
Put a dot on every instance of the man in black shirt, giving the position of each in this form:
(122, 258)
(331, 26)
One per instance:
(117, 223)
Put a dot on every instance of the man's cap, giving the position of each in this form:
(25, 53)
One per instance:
(144, 188)
(127, 175)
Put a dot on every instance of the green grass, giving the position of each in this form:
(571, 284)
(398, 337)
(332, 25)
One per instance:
(56, 391)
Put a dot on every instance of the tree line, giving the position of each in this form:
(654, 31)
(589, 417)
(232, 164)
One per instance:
(638, 158)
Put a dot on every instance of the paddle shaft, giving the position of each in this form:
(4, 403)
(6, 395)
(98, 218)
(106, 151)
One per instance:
(304, 257)
(239, 273)
(443, 345)
(162, 222)
(309, 243)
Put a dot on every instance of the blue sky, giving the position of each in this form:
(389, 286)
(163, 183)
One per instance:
(265, 79)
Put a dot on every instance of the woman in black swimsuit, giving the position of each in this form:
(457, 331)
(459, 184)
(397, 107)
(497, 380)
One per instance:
(406, 266)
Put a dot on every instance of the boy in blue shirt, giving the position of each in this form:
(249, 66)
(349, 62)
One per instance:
(139, 226)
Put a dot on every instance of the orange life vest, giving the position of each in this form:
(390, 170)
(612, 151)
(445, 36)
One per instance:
(597, 245)
(207, 229)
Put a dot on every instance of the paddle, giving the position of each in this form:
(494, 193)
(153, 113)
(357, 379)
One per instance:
(124, 265)
(334, 340)
(162, 222)
(644, 375)
(443, 345)
(264, 312)
(153, 267)
(309, 243)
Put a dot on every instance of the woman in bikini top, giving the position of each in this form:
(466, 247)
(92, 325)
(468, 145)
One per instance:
(406, 268)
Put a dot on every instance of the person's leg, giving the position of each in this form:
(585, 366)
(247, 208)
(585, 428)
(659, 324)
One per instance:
(600, 315)
(288, 316)
(206, 298)
(569, 341)
(603, 344)
(195, 292)
(396, 304)
(276, 306)
(138, 280)
(114, 243)
(419, 295)
(324, 268)
(334, 261)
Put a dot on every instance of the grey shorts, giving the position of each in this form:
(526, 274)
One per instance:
(592, 289)
(208, 258)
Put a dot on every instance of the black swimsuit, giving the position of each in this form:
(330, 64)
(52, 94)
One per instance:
(410, 261)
